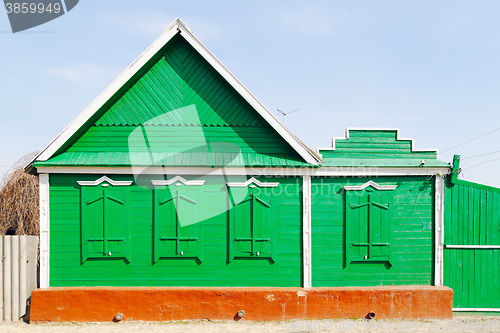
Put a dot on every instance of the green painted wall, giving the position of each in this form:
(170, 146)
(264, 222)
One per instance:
(472, 218)
(215, 267)
(411, 250)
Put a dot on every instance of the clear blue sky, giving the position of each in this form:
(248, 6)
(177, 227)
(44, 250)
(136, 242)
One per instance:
(430, 68)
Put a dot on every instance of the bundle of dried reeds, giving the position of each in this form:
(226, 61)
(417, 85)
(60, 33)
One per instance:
(19, 201)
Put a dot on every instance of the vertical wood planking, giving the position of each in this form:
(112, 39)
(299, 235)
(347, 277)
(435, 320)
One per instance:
(1, 278)
(15, 278)
(23, 273)
(471, 219)
(7, 287)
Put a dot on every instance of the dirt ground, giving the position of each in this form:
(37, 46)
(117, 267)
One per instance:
(458, 324)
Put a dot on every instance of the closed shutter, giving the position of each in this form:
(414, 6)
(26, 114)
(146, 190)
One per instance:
(177, 223)
(368, 225)
(251, 224)
(105, 226)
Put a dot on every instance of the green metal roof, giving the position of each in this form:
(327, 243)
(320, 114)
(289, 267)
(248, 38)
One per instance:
(377, 148)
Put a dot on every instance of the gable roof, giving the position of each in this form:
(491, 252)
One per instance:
(377, 147)
(176, 27)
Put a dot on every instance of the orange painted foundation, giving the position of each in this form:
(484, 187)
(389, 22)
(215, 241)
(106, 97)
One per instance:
(94, 304)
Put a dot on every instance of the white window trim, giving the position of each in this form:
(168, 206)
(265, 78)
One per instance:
(252, 181)
(178, 179)
(104, 179)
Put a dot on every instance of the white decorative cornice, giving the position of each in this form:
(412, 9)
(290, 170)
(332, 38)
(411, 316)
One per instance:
(252, 181)
(178, 179)
(372, 184)
(105, 179)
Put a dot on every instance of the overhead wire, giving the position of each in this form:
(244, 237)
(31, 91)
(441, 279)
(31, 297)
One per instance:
(475, 165)
(463, 143)
(469, 157)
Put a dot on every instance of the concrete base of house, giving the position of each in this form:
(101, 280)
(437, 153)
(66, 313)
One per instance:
(101, 304)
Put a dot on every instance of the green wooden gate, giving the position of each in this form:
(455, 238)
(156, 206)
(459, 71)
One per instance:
(472, 244)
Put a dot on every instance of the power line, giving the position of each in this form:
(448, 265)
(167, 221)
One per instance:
(463, 143)
(493, 152)
(475, 165)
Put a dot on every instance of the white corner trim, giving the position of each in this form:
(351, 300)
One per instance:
(439, 231)
(378, 129)
(252, 181)
(104, 179)
(176, 26)
(178, 179)
(44, 231)
(476, 309)
(473, 247)
(372, 184)
(306, 232)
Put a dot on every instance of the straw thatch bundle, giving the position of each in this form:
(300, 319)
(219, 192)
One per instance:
(19, 201)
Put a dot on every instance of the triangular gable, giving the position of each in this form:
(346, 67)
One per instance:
(88, 116)
(377, 147)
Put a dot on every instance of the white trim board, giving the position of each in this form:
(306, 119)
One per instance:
(472, 247)
(377, 129)
(177, 26)
(102, 180)
(252, 181)
(439, 231)
(44, 231)
(299, 172)
(178, 179)
(306, 231)
(476, 309)
(372, 184)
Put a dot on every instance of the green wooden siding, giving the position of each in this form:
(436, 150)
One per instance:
(378, 148)
(472, 218)
(177, 106)
(411, 250)
(171, 269)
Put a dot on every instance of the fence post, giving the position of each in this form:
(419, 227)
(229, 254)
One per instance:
(2, 303)
(15, 278)
(7, 302)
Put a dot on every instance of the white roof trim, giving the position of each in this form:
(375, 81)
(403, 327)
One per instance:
(105, 179)
(252, 181)
(278, 172)
(376, 129)
(176, 26)
(372, 184)
(178, 179)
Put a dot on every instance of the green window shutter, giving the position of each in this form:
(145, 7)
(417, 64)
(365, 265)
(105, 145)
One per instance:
(177, 223)
(105, 222)
(368, 225)
(250, 224)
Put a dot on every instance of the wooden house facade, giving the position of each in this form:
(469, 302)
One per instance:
(177, 176)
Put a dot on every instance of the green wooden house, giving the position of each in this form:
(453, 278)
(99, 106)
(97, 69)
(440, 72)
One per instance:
(176, 175)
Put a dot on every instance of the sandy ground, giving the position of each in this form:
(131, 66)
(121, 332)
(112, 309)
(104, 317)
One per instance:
(458, 324)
